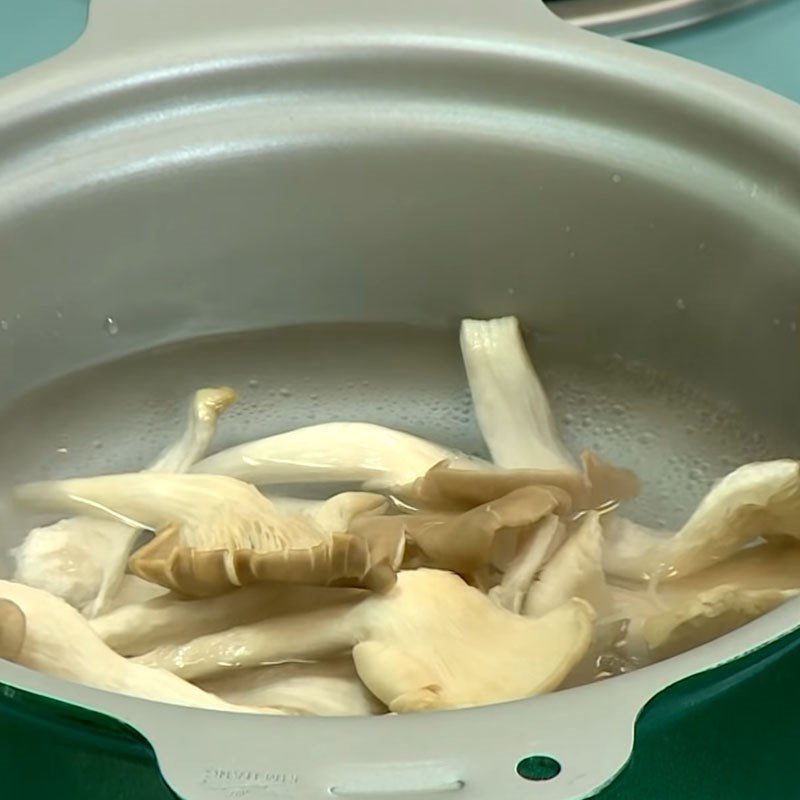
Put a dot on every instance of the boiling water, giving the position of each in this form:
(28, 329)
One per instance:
(118, 416)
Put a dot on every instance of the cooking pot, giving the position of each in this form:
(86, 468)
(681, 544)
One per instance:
(373, 172)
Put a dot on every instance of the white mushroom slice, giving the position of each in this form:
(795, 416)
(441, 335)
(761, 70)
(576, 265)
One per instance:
(82, 559)
(510, 403)
(333, 452)
(329, 688)
(136, 629)
(576, 570)
(760, 499)
(214, 533)
(42, 632)
(516, 582)
(432, 642)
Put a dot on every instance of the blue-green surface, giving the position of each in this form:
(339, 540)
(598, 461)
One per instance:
(31, 30)
(761, 44)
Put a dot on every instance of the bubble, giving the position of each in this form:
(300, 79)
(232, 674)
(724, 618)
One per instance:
(111, 326)
(616, 178)
(284, 392)
(680, 304)
(252, 383)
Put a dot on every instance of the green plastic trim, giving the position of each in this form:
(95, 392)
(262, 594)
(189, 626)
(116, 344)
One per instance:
(730, 733)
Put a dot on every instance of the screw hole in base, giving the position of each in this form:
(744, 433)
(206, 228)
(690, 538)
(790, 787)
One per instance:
(538, 768)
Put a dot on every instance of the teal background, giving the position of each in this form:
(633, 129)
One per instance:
(730, 734)
(761, 44)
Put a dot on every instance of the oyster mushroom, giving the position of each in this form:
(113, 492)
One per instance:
(334, 452)
(490, 534)
(515, 418)
(759, 499)
(432, 642)
(669, 617)
(82, 559)
(510, 403)
(516, 581)
(214, 533)
(137, 628)
(328, 688)
(448, 487)
(575, 570)
(40, 631)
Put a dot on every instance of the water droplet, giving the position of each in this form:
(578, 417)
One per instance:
(680, 304)
(646, 437)
(696, 474)
(616, 178)
(701, 246)
(510, 290)
(776, 322)
(252, 383)
(793, 327)
(4, 324)
(568, 228)
(59, 314)
(18, 316)
(618, 408)
(62, 451)
(313, 397)
(572, 254)
(97, 444)
(284, 392)
(111, 326)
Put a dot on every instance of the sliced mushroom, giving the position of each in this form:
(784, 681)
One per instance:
(214, 533)
(40, 631)
(432, 642)
(328, 688)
